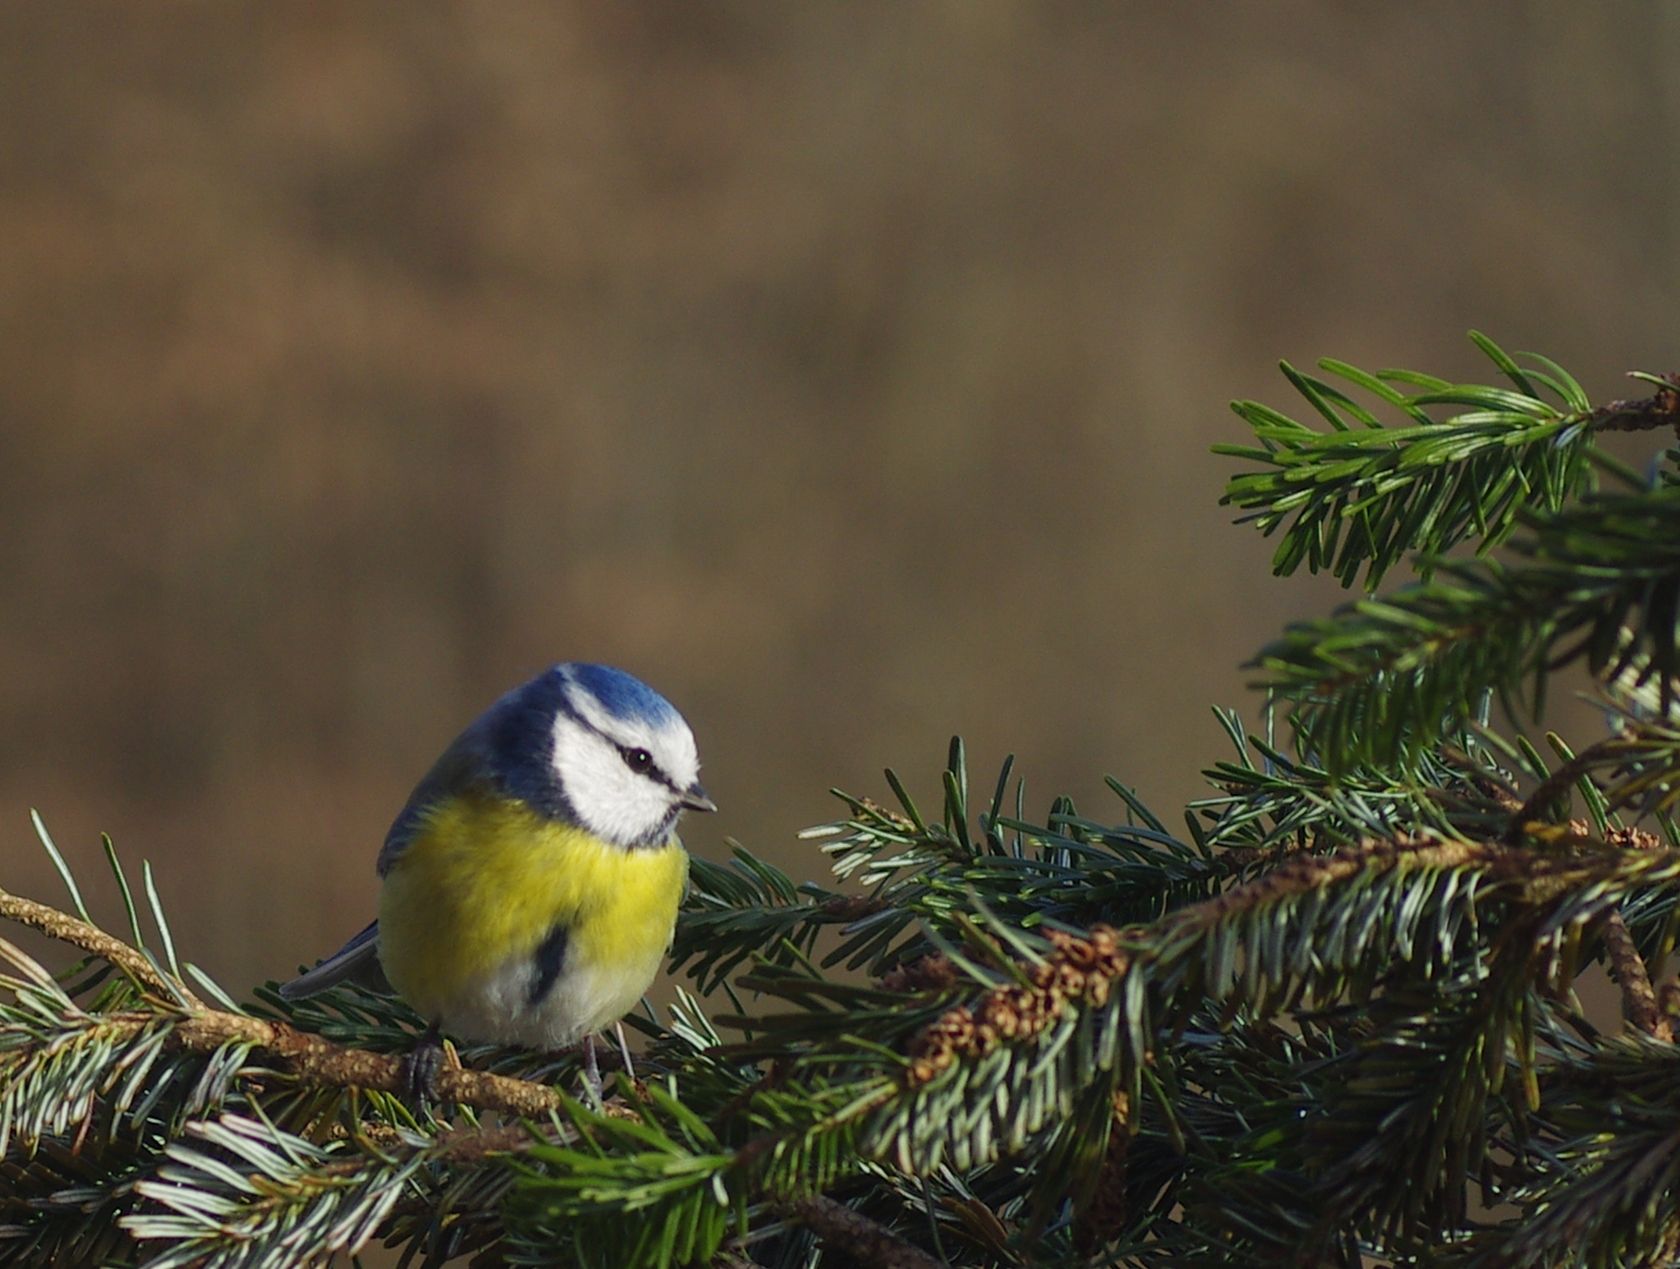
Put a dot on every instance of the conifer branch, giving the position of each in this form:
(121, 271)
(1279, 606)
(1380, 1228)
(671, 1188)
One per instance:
(1330, 1021)
(1627, 967)
(1528, 816)
(312, 1060)
(1644, 759)
(1270, 800)
(1603, 1160)
(1644, 413)
(867, 1241)
(95, 942)
(1362, 495)
(1380, 682)
(321, 1063)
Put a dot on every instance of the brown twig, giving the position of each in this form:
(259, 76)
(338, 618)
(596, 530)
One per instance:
(1104, 1215)
(1485, 781)
(324, 1064)
(851, 907)
(1090, 969)
(78, 933)
(474, 1145)
(457, 1145)
(1643, 413)
(866, 1241)
(312, 1059)
(1628, 969)
(1527, 816)
(320, 1062)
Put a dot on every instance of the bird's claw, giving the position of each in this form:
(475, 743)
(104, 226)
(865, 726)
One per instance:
(422, 1065)
(592, 1073)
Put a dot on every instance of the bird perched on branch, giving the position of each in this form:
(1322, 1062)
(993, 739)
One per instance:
(531, 883)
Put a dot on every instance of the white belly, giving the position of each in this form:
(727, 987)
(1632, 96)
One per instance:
(585, 998)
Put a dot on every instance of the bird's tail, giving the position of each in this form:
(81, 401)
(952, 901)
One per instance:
(357, 961)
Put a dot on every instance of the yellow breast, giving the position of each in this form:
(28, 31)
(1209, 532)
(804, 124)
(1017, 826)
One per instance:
(484, 881)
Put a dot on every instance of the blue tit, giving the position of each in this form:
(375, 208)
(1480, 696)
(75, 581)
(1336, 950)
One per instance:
(530, 885)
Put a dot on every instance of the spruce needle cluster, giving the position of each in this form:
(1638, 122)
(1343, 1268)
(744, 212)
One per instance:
(1329, 1014)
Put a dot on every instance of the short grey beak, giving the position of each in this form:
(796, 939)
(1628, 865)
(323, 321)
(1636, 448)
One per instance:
(695, 799)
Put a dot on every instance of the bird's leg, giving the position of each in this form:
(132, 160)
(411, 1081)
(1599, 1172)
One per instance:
(592, 1071)
(624, 1048)
(421, 1064)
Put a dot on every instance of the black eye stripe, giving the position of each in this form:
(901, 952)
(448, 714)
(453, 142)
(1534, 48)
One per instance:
(641, 762)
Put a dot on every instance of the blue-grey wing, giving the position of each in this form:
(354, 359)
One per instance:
(507, 751)
(464, 766)
(467, 765)
(357, 961)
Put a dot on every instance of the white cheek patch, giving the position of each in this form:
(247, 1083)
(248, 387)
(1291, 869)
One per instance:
(675, 753)
(611, 800)
(669, 740)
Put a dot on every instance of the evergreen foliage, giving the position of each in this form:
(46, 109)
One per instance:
(1331, 1020)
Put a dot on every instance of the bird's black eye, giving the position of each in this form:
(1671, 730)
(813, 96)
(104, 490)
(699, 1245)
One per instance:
(638, 760)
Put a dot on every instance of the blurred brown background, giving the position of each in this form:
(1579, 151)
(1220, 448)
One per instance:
(848, 371)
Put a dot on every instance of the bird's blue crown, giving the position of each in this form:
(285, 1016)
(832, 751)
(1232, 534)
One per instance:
(509, 749)
(621, 695)
(521, 725)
